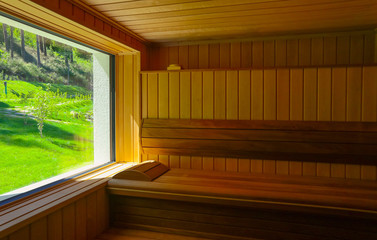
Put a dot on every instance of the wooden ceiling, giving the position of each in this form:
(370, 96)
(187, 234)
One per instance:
(192, 20)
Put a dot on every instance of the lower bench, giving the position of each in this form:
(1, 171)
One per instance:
(222, 205)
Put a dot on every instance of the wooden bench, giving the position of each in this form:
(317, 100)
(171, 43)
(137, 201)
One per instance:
(224, 205)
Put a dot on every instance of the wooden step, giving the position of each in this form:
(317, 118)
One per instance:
(134, 234)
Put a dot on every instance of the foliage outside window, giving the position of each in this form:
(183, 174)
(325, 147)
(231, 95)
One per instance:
(48, 110)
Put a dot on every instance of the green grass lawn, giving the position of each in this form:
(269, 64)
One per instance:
(25, 157)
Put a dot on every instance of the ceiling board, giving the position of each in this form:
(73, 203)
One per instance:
(193, 20)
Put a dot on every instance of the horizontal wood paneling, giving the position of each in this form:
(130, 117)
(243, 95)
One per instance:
(323, 50)
(246, 91)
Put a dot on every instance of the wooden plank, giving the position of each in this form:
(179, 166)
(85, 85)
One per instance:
(282, 167)
(184, 94)
(292, 52)
(281, 53)
(256, 166)
(174, 95)
(174, 55)
(193, 56)
(185, 162)
(163, 95)
(339, 94)
(183, 54)
(329, 53)
(208, 163)
(38, 229)
(21, 234)
(235, 55)
(144, 95)
(203, 56)
(317, 51)
(295, 168)
(353, 171)
(196, 162)
(368, 172)
(257, 94)
(338, 170)
(357, 49)
(269, 95)
(55, 225)
(224, 55)
(80, 219)
(343, 50)
(283, 94)
(323, 169)
(164, 159)
(214, 55)
(369, 48)
(219, 164)
(231, 164)
(310, 94)
(244, 95)
(152, 95)
(296, 97)
(324, 94)
(244, 165)
(103, 216)
(232, 95)
(369, 94)
(68, 215)
(269, 53)
(246, 54)
(304, 52)
(208, 97)
(269, 166)
(91, 211)
(309, 168)
(174, 161)
(196, 95)
(257, 54)
(354, 88)
(220, 95)
(163, 58)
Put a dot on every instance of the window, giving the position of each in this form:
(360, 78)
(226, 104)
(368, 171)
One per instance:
(55, 108)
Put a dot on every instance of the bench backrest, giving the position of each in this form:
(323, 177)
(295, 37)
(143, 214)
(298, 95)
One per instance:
(346, 142)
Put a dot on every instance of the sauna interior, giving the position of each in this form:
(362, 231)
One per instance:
(265, 126)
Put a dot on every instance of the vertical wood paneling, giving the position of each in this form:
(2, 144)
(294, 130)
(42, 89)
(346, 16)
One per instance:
(317, 52)
(152, 95)
(354, 94)
(220, 95)
(163, 95)
(224, 55)
(296, 94)
(281, 53)
(164, 159)
(183, 54)
(196, 162)
(235, 55)
(292, 52)
(304, 52)
(80, 219)
(310, 94)
(219, 164)
(369, 101)
(173, 55)
(283, 94)
(196, 95)
(174, 161)
(174, 95)
(208, 103)
(246, 54)
(38, 229)
(343, 50)
(203, 56)
(369, 48)
(54, 226)
(214, 55)
(144, 95)
(244, 95)
(257, 54)
(208, 163)
(102, 211)
(22, 234)
(232, 95)
(185, 162)
(357, 49)
(244, 165)
(193, 56)
(257, 95)
(269, 94)
(269, 53)
(184, 93)
(329, 53)
(68, 214)
(91, 211)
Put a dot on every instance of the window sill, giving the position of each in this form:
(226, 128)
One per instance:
(26, 210)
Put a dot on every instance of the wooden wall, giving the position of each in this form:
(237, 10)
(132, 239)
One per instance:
(302, 93)
(83, 219)
(320, 50)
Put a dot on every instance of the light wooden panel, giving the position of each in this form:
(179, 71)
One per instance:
(173, 20)
(350, 48)
(313, 94)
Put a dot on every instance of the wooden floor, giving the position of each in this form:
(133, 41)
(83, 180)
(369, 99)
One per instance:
(133, 234)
